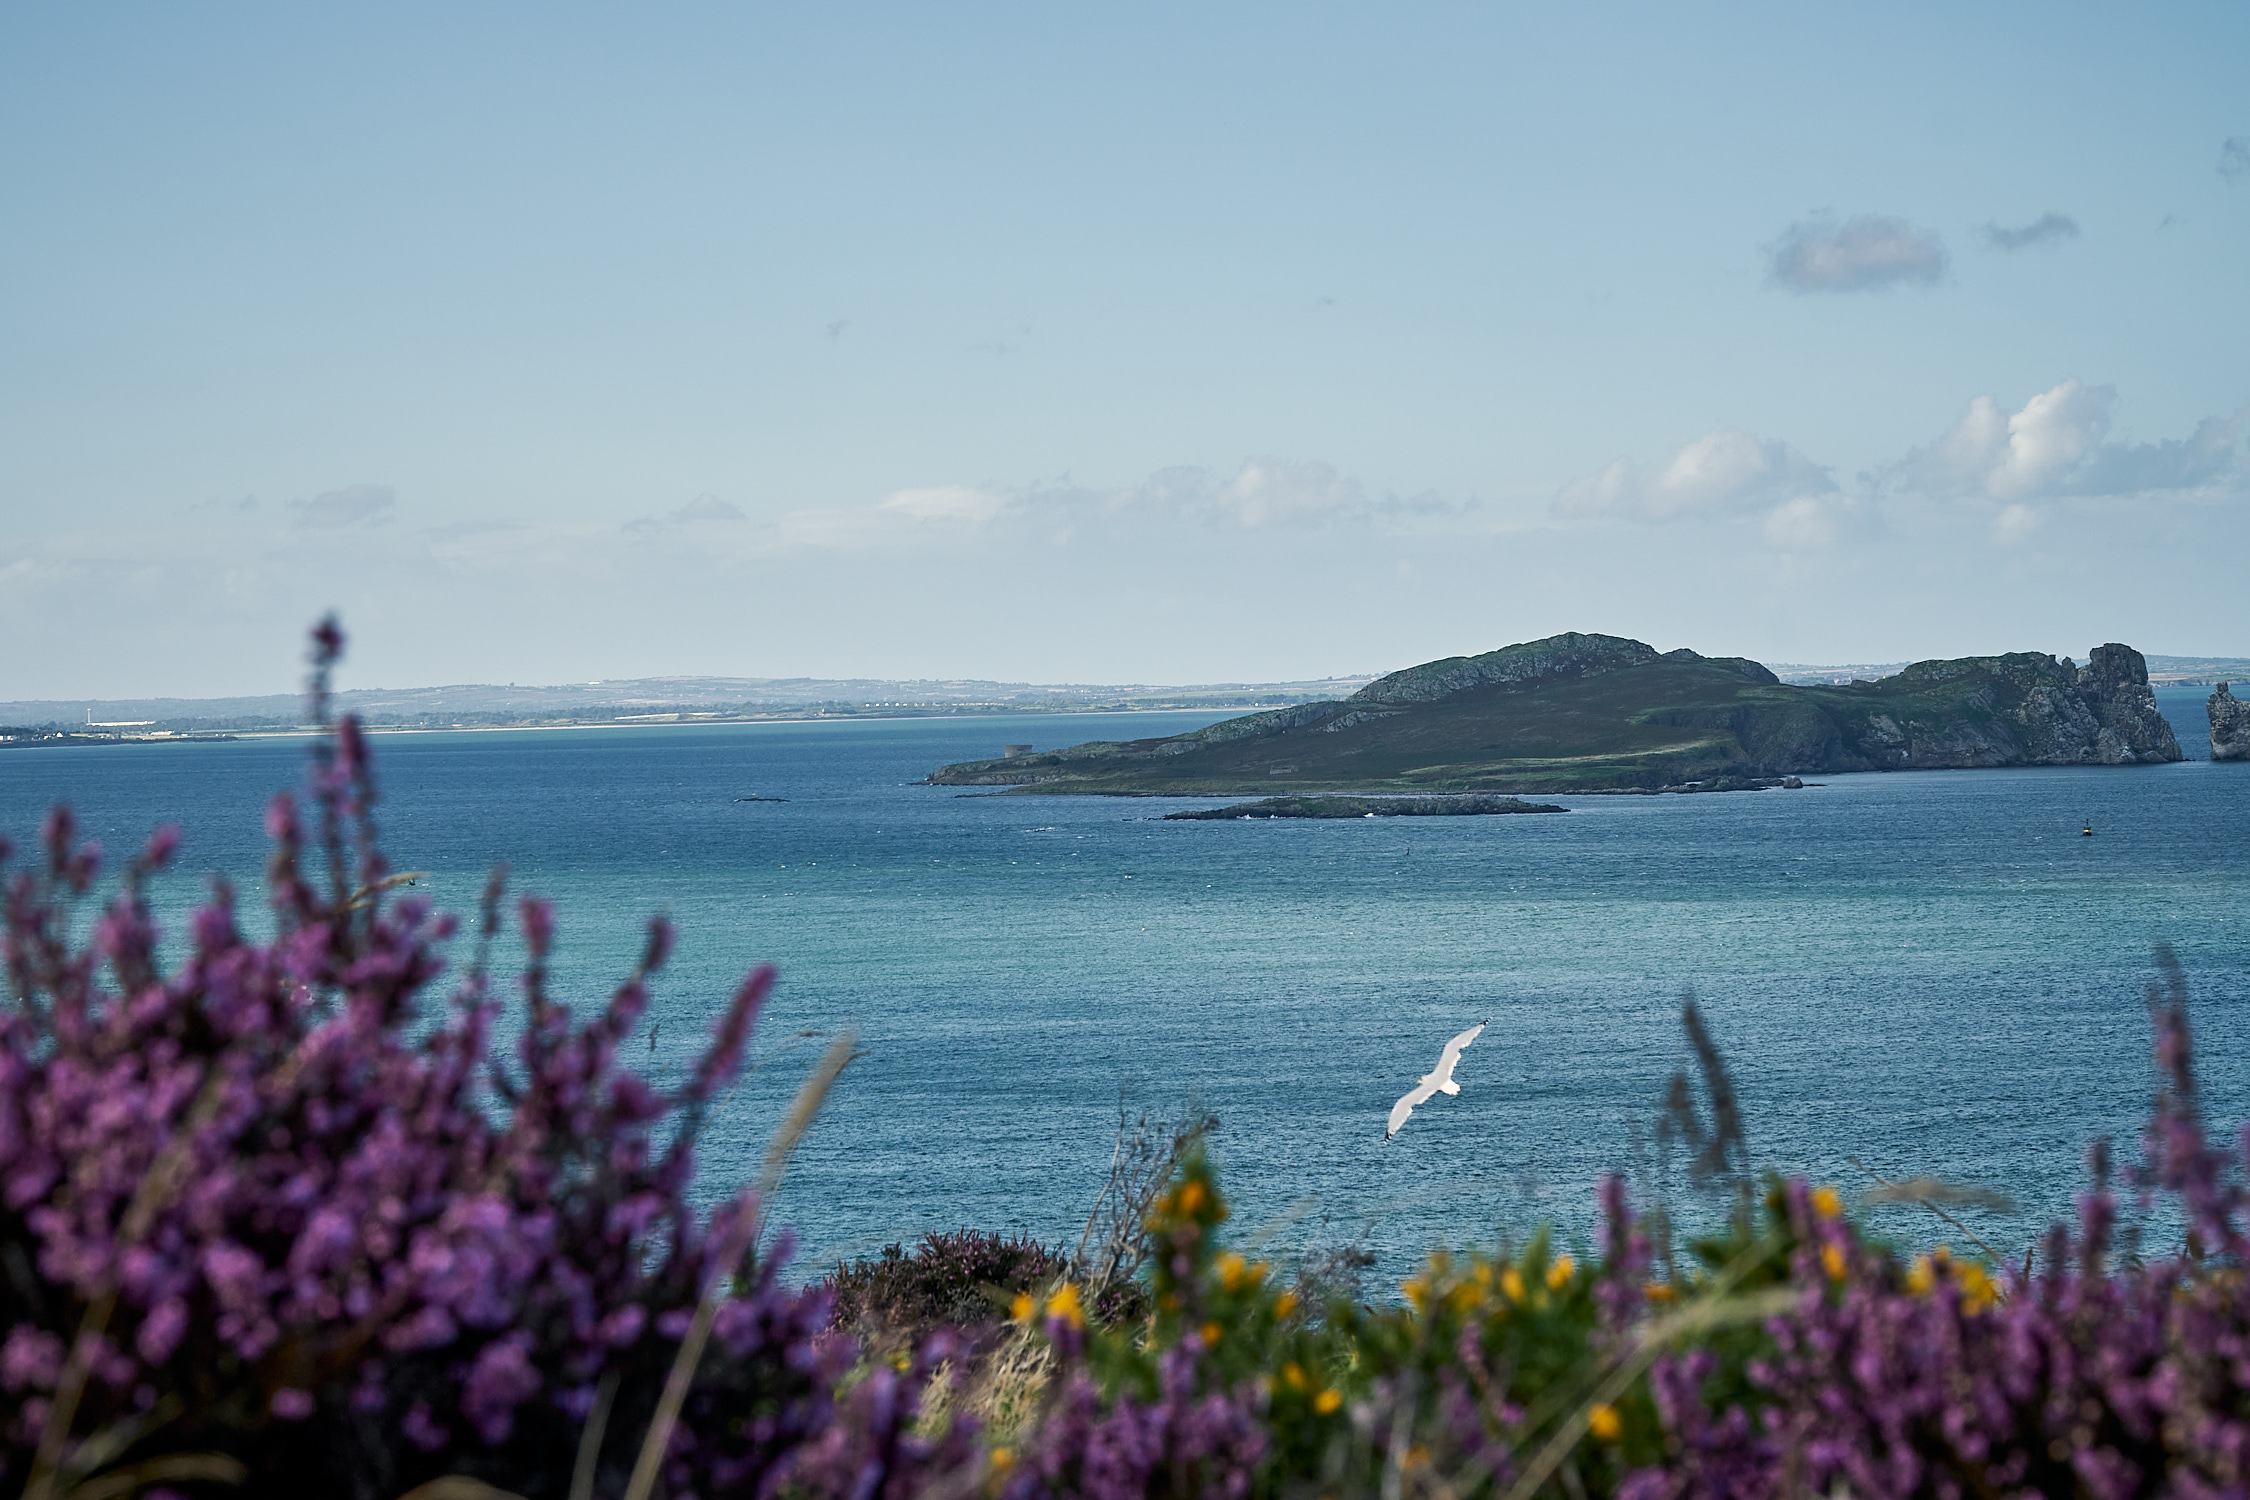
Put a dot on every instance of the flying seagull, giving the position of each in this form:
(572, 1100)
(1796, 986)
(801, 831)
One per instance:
(1439, 1080)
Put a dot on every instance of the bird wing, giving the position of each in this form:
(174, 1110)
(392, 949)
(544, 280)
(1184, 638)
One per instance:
(1399, 1112)
(1419, 1094)
(1452, 1055)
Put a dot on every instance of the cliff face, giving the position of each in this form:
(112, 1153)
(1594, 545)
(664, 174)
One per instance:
(2023, 709)
(2230, 725)
(1580, 712)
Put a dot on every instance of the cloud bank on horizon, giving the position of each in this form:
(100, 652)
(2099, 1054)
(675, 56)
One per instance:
(1286, 344)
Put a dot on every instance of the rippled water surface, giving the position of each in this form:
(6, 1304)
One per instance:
(1934, 973)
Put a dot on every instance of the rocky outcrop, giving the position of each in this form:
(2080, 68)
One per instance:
(2230, 725)
(1460, 805)
(2022, 709)
(1558, 656)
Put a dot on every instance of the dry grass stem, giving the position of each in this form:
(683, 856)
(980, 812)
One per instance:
(741, 1239)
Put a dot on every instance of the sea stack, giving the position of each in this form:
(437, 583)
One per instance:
(2230, 725)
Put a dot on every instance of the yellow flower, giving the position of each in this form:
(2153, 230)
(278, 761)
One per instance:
(1511, 1282)
(1558, 1272)
(1920, 1277)
(1417, 1290)
(1977, 1290)
(1233, 1270)
(1828, 1203)
(1190, 1198)
(1327, 1401)
(1022, 1308)
(1170, 1301)
(1064, 1304)
(1832, 1261)
(1284, 1305)
(1604, 1423)
(1002, 1460)
(1657, 1291)
(1293, 1374)
(1211, 1332)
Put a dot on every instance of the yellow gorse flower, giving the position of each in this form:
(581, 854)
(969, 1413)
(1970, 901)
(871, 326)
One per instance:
(1559, 1272)
(1001, 1460)
(1284, 1305)
(1327, 1401)
(1828, 1203)
(1832, 1261)
(1235, 1273)
(1211, 1332)
(1604, 1423)
(1064, 1304)
(1511, 1283)
(1022, 1308)
(1293, 1375)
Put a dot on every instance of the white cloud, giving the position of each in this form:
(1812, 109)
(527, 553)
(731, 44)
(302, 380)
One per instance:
(2055, 446)
(2048, 229)
(2013, 526)
(1262, 493)
(946, 502)
(349, 506)
(1812, 523)
(1275, 491)
(706, 508)
(1869, 253)
(1724, 473)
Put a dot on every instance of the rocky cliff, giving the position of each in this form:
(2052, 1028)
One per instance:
(2023, 709)
(1579, 712)
(2230, 725)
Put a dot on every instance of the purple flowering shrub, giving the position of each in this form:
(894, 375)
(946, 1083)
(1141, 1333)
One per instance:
(281, 1221)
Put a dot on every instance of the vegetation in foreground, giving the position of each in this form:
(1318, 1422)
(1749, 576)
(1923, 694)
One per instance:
(275, 1223)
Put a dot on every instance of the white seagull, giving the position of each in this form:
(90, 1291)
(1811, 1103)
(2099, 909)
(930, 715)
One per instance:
(1439, 1080)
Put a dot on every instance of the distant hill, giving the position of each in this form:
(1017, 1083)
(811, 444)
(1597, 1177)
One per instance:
(650, 698)
(1599, 712)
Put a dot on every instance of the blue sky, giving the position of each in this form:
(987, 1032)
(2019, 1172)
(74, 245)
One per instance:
(1171, 343)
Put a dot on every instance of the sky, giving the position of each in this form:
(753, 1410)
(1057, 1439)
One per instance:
(1163, 343)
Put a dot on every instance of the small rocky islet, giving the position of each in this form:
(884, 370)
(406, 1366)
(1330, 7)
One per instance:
(1457, 805)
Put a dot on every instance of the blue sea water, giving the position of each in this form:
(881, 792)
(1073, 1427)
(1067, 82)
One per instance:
(1933, 973)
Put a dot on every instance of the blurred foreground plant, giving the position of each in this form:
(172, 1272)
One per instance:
(275, 1224)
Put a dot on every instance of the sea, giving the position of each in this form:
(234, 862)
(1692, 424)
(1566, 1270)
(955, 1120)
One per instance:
(1914, 975)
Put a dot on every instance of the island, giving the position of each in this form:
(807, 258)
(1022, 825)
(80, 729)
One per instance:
(1602, 713)
(1451, 805)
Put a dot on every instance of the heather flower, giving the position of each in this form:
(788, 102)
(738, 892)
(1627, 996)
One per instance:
(291, 1189)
